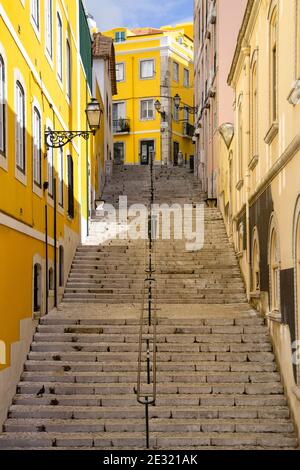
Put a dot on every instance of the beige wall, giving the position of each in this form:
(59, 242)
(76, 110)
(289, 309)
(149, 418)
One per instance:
(262, 193)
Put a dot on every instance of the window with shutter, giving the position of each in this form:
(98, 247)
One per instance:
(36, 147)
(70, 187)
(50, 163)
(61, 177)
(49, 27)
(59, 47)
(20, 127)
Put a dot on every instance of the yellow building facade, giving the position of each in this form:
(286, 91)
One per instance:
(259, 190)
(153, 64)
(45, 81)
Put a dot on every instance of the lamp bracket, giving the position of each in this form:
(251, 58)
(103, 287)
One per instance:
(58, 139)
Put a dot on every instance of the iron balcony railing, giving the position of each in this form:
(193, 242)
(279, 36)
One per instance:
(188, 129)
(121, 126)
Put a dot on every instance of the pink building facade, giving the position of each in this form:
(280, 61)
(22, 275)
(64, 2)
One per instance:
(216, 27)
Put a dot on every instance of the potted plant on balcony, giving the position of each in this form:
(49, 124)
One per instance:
(123, 125)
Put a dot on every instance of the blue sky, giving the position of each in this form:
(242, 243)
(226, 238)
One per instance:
(134, 13)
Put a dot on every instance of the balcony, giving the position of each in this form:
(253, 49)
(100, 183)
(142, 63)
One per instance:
(121, 126)
(188, 129)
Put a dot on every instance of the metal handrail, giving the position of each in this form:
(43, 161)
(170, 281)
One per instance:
(149, 305)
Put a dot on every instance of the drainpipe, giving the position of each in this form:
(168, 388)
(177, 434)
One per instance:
(246, 52)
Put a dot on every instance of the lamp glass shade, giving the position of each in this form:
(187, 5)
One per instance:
(177, 100)
(227, 132)
(93, 114)
(157, 105)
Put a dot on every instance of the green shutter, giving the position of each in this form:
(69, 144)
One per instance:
(85, 44)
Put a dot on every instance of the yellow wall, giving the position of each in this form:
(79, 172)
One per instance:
(133, 89)
(22, 204)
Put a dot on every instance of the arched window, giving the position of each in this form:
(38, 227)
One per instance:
(241, 238)
(2, 108)
(273, 53)
(240, 143)
(255, 264)
(274, 271)
(61, 266)
(254, 110)
(37, 288)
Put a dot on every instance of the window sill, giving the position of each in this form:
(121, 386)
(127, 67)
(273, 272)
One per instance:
(21, 177)
(253, 163)
(37, 190)
(272, 132)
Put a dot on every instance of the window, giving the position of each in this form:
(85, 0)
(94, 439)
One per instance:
(70, 187)
(147, 110)
(61, 266)
(49, 28)
(2, 108)
(175, 71)
(59, 47)
(254, 100)
(255, 266)
(240, 144)
(36, 147)
(50, 164)
(120, 36)
(20, 128)
(241, 238)
(175, 112)
(274, 271)
(35, 12)
(68, 70)
(61, 177)
(186, 78)
(273, 65)
(186, 114)
(120, 72)
(37, 287)
(147, 69)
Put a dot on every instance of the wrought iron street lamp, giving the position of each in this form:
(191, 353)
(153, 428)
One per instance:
(189, 109)
(226, 130)
(58, 139)
(157, 106)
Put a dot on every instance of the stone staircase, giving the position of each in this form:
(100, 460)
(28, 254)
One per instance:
(218, 386)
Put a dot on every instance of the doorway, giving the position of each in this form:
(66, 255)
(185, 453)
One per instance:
(37, 286)
(119, 153)
(147, 146)
(175, 153)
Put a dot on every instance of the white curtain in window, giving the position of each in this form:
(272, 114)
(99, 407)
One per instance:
(59, 47)
(147, 68)
(120, 72)
(48, 26)
(35, 7)
(147, 109)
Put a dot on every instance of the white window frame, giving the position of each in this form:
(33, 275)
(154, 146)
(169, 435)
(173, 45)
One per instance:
(49, 30)
(36, 20)
(141, 62)
(59, 50)
(4, 152)
(123, 65)
(20, 171)
(148, 100)
(37, 149)
(119, 34)
(186, 74)
(176, 75)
